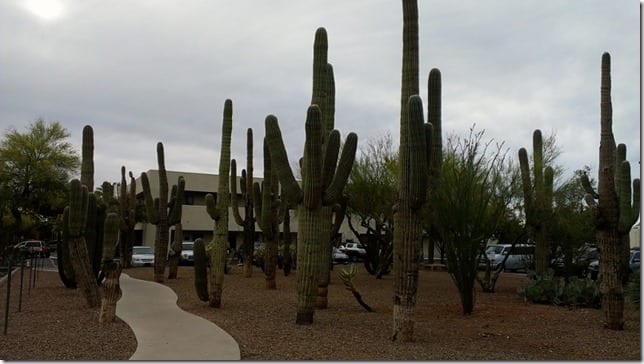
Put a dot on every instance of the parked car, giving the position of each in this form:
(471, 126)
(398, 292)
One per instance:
(187, 253)
(33, 248)
(581, 259)
(339, 257)
(633, 264)
(142, 256)
(521, 257)
(355, 251)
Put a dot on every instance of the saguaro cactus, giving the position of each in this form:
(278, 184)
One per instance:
(77, 212)
(111, 268)
(127, 214)
(267, 205)
(434, 117)
(218, 211)
(615, 212)
(322, 185)
(246, 187)
(158, 214)
(537, 197)
(201, 269)
(174, 219)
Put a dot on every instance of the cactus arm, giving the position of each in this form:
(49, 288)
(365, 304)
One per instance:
(151, 211)
(320, 61)
(417, 153)
(290, 187)
(343, 170)
(312, 184)
(77, 208)
(257, 196)
(330, 158)
(177, 204)
(248, 175)
(87, 158)
(628, 213)
(434, 85)
(233, 192)
(537, 157)
(585, 183)
(548, 179)
(110, 236)
(211, 207)
(525, 179)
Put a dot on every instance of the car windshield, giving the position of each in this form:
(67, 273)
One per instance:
(494, 249)
(142, 250)
(187, 246)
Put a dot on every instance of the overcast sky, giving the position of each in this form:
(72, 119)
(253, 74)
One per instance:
(146, 71)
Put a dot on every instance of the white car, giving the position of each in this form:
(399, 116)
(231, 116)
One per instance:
(187, 252)
(142, 256)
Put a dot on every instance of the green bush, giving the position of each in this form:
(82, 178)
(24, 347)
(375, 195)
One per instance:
(549, 289)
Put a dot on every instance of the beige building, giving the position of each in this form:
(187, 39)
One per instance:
(195, 221)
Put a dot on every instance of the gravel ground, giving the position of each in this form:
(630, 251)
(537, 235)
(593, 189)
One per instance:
(502, 326)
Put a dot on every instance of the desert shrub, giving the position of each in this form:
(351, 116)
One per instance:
(633, 289)
(550, 289)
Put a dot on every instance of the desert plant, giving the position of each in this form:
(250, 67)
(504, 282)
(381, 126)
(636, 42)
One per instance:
(111, 268)
(550, 289)
(537, 197)
(128, 218)
(77, 212)
(176, 208)
(633, 289)
(614, 211)
(218, 211)
(201, 269)
(246, 189)
(63, 258)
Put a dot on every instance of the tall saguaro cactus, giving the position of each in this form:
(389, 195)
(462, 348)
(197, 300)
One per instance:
(267, 205)
(174, 219)
(322, 185)
(127, 215)
(434, 117)
(616, 208)
(77, 218)
(158, 214)
(246, 187)
(218, 211)
(537, 196)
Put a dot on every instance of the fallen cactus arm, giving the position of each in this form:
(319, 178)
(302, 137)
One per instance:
(347, 279)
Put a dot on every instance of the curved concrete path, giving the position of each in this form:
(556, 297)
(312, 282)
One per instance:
(166, 332)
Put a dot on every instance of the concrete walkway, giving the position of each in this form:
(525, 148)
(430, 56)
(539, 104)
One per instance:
(166, 332)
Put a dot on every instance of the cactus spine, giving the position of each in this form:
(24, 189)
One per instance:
(537, 196)
(414, 157)
(267, 207)
(615, 213)
(174, 219)
(246, 187)
(77, 218)
(127, 212)
(310, 199)
(157, 214)
(218, 211)
(111, 268)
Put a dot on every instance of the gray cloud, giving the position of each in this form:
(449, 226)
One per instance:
(148, 71)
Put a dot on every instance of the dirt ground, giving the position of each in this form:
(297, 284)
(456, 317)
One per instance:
(502, 327)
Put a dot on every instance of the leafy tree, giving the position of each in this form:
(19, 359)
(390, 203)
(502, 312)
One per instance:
(371, 193)
(35, 168)
(474, 197)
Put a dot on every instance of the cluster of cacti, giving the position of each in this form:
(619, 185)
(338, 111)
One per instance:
(158, 214)
(218, 211)
(616, 208)
(111, 269)
(127, 215)
(268, 206)
(323, 180)
(76, 224)
(415, 161)
(174, 218)
(537, 197)
(246, 189)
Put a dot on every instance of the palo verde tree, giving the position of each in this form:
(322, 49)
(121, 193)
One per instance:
(474, 197)
(374, 173)
(35, 168)
(615, 207)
